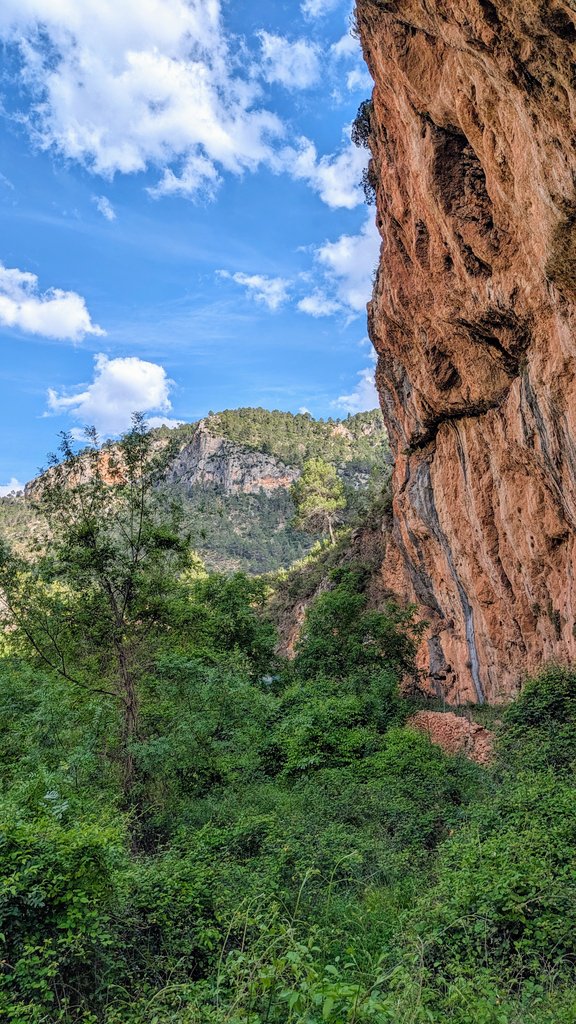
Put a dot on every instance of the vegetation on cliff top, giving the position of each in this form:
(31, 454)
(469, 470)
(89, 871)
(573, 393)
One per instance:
(255, 532)
(286, 851)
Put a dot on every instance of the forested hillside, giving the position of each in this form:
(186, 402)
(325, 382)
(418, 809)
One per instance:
(355, 442)
(195, 831)
(247, 525)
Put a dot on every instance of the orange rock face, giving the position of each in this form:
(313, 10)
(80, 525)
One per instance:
(474, 320)
(455, 735)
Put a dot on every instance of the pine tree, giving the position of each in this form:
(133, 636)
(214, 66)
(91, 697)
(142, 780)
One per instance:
(319, 498)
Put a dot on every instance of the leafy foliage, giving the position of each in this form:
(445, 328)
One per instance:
(318, 495)
(541, 724)
(253, 532)
(361, 125)
(340, 635)
(289, 851)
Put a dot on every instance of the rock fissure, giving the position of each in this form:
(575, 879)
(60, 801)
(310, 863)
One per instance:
(430, 433)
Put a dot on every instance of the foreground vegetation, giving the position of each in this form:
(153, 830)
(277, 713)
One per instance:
(193, 832)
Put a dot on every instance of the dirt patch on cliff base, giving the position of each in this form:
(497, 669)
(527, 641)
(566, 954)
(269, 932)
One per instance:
(455, 735)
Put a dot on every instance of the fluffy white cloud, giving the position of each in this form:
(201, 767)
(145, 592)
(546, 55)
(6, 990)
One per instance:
(52, 314)
(124, 87)
(346, 47)
(121, 87)
(271, 291)
(104, 206)
(12, 487)
(316, 8)
(364, 396)
(336, 178)
(349, 264)
(319, 304)
(294, 65)
(358, 80)
(345, 268)
(198, 176)
(120, 387)
(162, 421)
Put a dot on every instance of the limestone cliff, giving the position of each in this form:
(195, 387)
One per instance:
(210, 460)
(233, 471)
(474, 319)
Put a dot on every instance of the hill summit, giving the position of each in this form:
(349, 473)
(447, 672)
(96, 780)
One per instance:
(234, 469)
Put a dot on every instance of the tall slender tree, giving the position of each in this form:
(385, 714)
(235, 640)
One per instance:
(91, 603)
(319, 498)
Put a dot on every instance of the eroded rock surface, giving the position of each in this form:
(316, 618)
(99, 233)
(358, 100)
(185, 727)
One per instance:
(455, 735)
(210, 460)
(473, 317)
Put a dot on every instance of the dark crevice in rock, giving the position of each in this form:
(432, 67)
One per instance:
(485, 332)
(458, 178)
(422, 244)
(428, 436)
(446, 375)
(490, 13)
(560, 23)
(473, 264)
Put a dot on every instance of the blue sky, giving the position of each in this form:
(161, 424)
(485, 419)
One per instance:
(183, 228)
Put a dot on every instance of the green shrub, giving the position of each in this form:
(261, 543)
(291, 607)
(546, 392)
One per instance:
(58, 895)
(539, 728)
(341, 636)
(361, 125)
(506, 891)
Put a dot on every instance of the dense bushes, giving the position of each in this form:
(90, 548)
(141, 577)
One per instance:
(540, 726)
(341, 636)
(290, 852)
(58, 882)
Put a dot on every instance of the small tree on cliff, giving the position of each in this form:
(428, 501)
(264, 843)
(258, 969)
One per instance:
(92, 604)
(319, 498)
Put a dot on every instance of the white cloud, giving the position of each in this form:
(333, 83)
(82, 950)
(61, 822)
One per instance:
(52, 314)
(349, 264)
(346, 47)
(12, 487)
(120, 387)
(139, 85)
(163, 421)
(271, 291)
(336, 178)
(198, 177)
(121, 87)
(319, 304)
(304, 411)
(317, 8)
(358, 80)
(364, 396)
(104, 206)
(294, 65)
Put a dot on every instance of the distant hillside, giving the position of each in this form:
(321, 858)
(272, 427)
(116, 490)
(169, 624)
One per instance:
(233, 471)
(356, 441)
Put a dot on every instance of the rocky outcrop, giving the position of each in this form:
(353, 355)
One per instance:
(213, 461)
(474, 320)
(455, 735)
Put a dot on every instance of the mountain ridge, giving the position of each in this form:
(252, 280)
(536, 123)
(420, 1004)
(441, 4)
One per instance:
(233, 471)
